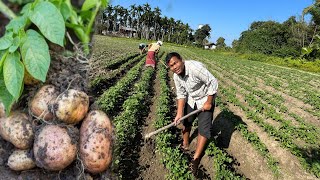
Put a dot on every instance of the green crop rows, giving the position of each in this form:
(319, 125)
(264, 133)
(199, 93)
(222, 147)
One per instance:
(282, 103)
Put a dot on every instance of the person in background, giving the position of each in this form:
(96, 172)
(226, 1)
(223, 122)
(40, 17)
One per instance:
(153, 50)
(196, 89)
(142, 48)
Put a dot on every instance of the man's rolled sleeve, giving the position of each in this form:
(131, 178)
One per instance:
(212, 87)
(211, 82)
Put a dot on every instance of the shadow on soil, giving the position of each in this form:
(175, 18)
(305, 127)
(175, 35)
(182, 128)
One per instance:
(223, 127)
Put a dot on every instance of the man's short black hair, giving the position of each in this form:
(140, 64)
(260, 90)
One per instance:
(172, 54)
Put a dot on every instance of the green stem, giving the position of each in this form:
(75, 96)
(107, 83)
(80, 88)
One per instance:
(7, 11)
(93, 17)
(78, 30)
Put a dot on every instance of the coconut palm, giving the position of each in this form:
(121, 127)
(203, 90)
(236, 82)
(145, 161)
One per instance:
(156, 19)
(164, 27)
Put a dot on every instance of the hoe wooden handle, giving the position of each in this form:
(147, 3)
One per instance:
(172, 124)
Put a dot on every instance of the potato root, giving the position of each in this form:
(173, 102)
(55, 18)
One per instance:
(71, 106)
(96, 142)
(21, 160)
(55, 147)
(39, 105)
(17, 129)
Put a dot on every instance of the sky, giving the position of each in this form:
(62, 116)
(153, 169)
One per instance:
(227, 19)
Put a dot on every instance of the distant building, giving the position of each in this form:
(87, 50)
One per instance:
(210, 46)
(127, 31)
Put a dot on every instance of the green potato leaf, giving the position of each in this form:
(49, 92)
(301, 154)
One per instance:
(13, 72)
(35, 55)
(16, 24)
(5, 42)
(15, 44)
(5, 97)
(50, 22)
(65, 11)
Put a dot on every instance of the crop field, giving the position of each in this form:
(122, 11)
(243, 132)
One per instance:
(266, 120)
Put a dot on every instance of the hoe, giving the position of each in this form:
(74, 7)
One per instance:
(147, 136)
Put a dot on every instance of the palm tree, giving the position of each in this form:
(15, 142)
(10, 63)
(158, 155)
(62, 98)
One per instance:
(139, 11)
(115, 17)
(171, 23)
(132, 16)
(121, 15)
(107, 16)
(157, 14)
(164, 27)
(146, 20)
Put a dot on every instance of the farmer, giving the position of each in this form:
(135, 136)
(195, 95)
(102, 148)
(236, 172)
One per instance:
(153, 50)
(196, 89)
(142, 48)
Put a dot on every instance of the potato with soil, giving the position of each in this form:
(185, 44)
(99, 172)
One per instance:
(17, 129)
(71, 106)
(39, 105)
(28, 79)
(21, 160)
(96, 142)
(55, 147)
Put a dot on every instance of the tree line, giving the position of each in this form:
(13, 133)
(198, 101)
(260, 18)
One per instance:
(147, 23)
(293, 38)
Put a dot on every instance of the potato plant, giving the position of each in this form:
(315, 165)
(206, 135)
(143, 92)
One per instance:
(127, 121)
(23, 48)
(114, 96)
(285, 140)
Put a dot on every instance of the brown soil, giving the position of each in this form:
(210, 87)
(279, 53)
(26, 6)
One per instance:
(150, 160)
(290, 166)
(293, 104)
(250, 162)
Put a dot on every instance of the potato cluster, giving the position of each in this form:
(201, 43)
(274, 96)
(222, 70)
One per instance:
(54, 143)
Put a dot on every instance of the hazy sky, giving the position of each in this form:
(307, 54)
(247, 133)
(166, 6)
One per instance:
(227, 19)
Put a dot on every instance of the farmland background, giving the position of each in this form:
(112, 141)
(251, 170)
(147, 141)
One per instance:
(266, 123)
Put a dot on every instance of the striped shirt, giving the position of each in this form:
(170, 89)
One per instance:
(196, 85)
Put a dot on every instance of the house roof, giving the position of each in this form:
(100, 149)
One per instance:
(127, 28)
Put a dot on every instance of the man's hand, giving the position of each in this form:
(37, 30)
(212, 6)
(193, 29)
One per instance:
(177, 118)
(207, 106)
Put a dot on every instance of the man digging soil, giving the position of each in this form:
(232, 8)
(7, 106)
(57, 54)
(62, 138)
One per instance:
(196, 89)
